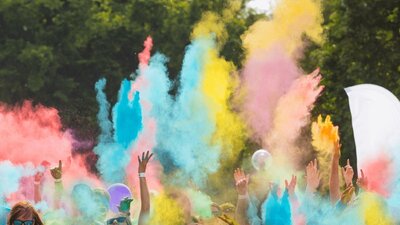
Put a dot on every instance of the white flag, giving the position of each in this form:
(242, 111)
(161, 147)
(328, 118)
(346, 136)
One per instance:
(376, 121)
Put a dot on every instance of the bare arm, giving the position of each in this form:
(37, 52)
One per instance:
(56, 173)
(313, 177)
(144, 191)
(334, 190)
(37, 186)
(348, 174)
(362, 181)
(348, 193)
(290, 186)
(243, 199)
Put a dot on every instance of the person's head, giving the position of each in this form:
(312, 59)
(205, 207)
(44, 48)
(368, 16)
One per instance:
(183, 201)
(23, 213)
(216, 210)
(121, 219)
(228, 209)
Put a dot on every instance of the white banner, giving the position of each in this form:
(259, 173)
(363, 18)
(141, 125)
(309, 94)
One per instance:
(376, 120)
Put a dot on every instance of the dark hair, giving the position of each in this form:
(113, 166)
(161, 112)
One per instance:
(23, 209)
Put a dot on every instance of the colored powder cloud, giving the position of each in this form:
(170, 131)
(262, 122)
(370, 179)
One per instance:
(89, 203)
(394, 197)
(185, 131)
(277, 210)
(219, 81)
(374, 210)
(293, 109)
(166, 211)
(319, 210)
(32, 134)
(292, 113)
(103, 114)
(324, 135)
(200, 202)
(150, 77)
(144, 56)
(113, 152)
(270, 66)
(11, 175)
(374, 169)
(154, 103)
(266, 78)
(217, 86)
(212, 24)
(127, 116)
(291, 19)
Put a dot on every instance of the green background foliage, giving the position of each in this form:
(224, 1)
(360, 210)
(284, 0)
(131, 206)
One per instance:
(53, 51)
(362, 45)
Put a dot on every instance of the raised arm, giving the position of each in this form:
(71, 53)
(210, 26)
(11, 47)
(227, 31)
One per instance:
(241, 181)
(348, 174)
(144, 191)
(334, 189)
(56, 173)
(291, 186)
(313, 177)
(362, 181)
(348, 193)
(37, 187)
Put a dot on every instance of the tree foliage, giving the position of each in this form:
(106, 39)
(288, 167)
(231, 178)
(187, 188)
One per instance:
(53, 51)
(362, 46)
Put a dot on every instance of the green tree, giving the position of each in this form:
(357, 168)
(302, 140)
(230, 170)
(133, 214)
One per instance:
(53, 51)
(362, 46)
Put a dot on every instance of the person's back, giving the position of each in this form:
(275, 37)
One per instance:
(4, 210)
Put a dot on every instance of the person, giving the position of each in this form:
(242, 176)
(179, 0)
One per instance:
(4, 210)
(348, 194)
(247, 211)
(123, 218)
(180, 197)
(23, 213)
(308, 211)
(241, 182)
(56, 173)
(313, 177)
(334, 189)
(144, 190)
(223, 214)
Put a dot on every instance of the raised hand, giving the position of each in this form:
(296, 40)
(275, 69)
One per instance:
(291, 186)
(56, 172)
(363, 181)
(125, 205)
(241, 181)
(38, 177)
(312, 176)
(348, 174)
(143, 161)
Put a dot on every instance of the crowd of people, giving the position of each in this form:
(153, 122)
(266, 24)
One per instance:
(253, 207)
